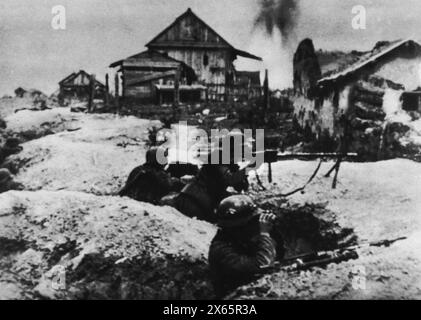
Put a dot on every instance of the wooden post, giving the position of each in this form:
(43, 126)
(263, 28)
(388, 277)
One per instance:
(266, 95)
(91, 93)
(177, 88)
(107, 89)
(270, 176)
(117, 89)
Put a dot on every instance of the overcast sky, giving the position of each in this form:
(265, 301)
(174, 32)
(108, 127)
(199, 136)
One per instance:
(99, 32)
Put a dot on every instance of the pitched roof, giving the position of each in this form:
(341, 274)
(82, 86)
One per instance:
(74, 76)
(380, 51)
(220, 44)
(148, 58)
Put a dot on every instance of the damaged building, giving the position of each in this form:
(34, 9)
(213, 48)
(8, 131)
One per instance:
(77, 85)
(347, 97)
(189, 59)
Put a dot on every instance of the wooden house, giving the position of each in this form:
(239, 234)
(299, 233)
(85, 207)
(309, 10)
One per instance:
(189, 46)
(150, 77)
(77, 86)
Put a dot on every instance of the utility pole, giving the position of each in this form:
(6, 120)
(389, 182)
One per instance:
(116, 86)
(266, 95)
(91, 93)
(107, 89)
(177, 88)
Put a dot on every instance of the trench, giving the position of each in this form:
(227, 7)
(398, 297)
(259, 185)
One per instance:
(309, 228)
(11, 246)
(140, 278)
(304, 229)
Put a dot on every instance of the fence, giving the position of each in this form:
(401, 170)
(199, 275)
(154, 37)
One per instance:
(220, 92)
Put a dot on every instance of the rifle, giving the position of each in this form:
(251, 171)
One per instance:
(272, 156)
(324, 258)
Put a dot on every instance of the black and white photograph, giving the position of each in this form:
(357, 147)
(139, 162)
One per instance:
(210, 150)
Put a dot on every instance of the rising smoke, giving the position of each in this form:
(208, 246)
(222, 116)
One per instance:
(278, 14)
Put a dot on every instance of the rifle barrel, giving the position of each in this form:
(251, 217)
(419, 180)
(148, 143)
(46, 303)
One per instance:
(275, 155)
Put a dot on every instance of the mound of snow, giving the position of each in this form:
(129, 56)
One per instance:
(104, 244)
(34, 124)
(95, 156)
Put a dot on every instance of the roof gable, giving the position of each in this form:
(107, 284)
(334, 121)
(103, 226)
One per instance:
(379, 52)
(191, 31)
(149, 59)
(81, 78)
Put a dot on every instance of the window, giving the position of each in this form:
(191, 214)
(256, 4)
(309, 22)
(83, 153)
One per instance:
(411, 101)
(205, 60)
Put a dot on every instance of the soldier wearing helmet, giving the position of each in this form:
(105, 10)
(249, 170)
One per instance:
(201, 197)
(150, 182)
(7, 183)
(243, 246)
(10, 147)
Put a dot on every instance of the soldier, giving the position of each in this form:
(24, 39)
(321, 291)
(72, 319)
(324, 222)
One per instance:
(10, 147)
(7, 183)
(201, 196)
(150, 182)
(243, 246)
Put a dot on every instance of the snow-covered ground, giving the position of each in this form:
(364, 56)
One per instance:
(89, 153)
(69, 216)
(379, 201)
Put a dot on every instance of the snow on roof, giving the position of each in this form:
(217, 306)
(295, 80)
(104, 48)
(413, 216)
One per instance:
(372, 56)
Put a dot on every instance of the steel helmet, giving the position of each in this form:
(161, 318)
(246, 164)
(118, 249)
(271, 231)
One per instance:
(5, 175)
(12, 142)
(152, 155)
(236, 211)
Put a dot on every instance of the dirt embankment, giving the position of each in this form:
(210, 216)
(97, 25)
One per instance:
(109, 247)
(68, 219)
(89, 153)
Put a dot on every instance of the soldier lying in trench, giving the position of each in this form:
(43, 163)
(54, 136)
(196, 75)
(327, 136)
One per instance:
(150, 182)
(202, 195)
(7, 183)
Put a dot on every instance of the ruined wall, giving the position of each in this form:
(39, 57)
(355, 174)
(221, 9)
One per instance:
(306, 68)
(372, 111)
(322, 116)
(406, 71)
(364, 108)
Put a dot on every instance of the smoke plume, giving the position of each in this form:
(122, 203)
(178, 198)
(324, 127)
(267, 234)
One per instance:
(279, 14)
